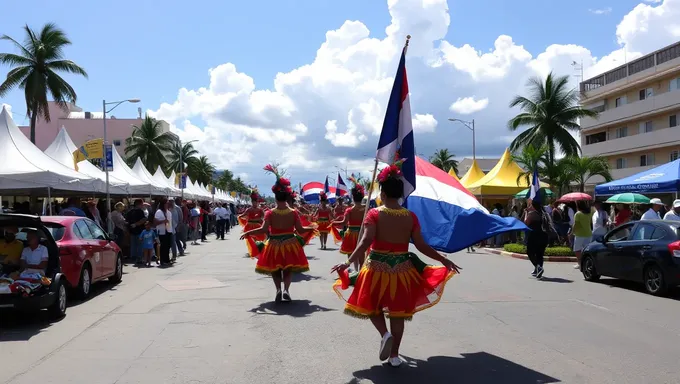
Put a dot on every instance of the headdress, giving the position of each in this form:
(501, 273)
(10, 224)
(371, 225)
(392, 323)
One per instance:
(359, 188)
(282, 184)
(323, 196)
(392, 171)
(254, 195)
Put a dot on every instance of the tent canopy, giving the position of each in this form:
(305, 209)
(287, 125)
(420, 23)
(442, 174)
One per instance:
(472, 175)
(139, 170)
(160, 180)
(453, 174)
(501, 180)
(664, 178)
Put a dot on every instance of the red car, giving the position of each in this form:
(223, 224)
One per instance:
(86, 253)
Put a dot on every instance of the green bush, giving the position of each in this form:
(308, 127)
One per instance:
(550, 251)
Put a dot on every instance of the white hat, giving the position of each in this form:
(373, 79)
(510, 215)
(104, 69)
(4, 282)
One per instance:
(676, 203)
(655, 201)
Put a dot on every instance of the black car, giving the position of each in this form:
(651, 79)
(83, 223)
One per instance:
(51, 297)
(642, 251)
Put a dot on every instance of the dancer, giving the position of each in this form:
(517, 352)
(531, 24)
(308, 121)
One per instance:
(253, 217)
(338, 225)
(283, 253)
(324, 217)
(351, 219)
(393, 282)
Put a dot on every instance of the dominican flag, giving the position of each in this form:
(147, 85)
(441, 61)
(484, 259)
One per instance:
(326, 187)
(450, 216)
(397, 130)
(533, 192)
(310, 192)
(341, 187)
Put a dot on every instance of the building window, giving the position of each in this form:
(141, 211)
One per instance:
(646, 160)
(673, 120)
(620, 163)
(116, 143)
(674, 156)
(674, 85)
(621, 132)
(646, 127)
(620, 101)
(596, 138)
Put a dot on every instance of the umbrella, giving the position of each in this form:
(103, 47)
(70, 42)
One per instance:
(523, 194)
(629, 198)
(575, 196)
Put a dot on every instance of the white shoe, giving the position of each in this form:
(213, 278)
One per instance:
(386, 346)
(395, 361)
(576, 266)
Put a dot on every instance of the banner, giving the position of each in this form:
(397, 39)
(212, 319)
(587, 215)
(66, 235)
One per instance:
(92, 149)
(233, 194)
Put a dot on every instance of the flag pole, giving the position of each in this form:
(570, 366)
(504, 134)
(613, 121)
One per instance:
(375, 170)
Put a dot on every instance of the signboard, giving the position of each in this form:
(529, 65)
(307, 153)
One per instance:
(183, 182)
(108, 156)
(92, 149)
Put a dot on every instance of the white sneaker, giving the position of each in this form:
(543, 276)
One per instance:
(576, 266)
(395, 361)
(385, 346)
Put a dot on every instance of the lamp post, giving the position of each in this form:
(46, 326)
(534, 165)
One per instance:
(109, 223)
(471, 126)
(343, 170)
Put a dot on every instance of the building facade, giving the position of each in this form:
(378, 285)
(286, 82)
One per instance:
(83, 126)
(484, 164)
(639, 112)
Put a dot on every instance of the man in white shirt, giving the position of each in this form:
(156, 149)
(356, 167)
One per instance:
(222, 217)
(653, 212)
(34, 257)
(600, 220)
(674, 214)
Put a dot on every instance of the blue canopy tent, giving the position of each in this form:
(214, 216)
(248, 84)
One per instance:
(662, 179)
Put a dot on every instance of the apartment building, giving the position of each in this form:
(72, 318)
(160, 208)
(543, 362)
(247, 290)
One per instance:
(639, 104)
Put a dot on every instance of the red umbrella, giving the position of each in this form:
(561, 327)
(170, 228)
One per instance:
(575, 196)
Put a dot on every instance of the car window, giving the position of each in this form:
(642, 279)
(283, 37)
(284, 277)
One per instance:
(56, 230)
(97, 232)
(659, 233)
(83, 230)
(643, 232)
(620, 234)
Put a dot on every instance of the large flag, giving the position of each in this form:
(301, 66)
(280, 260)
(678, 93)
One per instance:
(397, 130)
(311, 190)
(533, 192)
(341, 187)
(450, 216)
(326, 187)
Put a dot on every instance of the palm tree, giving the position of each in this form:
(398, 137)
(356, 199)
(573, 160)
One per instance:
(201, 170)
(149, 143)
(188, 154)
(528, 159)
(551, 112)
(582, 169)
(444, 160)
(35, 69)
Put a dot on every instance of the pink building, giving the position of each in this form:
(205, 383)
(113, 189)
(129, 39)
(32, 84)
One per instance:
(83, 126)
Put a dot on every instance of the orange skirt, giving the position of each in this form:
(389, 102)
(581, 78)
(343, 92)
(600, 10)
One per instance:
(251, 241)
(350, 240)
(242, 221)
(324, 226)
(394, 285)
(337, 235)
(282, 252)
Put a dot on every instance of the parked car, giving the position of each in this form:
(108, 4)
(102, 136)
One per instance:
(51, 297)
(87, 254)
(647, 252)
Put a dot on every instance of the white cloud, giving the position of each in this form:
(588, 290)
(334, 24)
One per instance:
(468, 105)
(601, 11)
(329, 112)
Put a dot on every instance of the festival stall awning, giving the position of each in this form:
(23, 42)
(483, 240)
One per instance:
(140, 171)
(160, 180)
(664, 178)
(472, 175)
(136, 187)
(23, 166)
(501, 180)
(453, 174)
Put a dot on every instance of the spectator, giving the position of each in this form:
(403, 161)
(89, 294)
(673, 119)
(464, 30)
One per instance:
(163, 222)
(175, 213)
(673, 214)
(222, 216)
(10, 247)
(119, 223)
(600, 220)
(653, 211)
(581, 230)
(72, 208)
(136, 219)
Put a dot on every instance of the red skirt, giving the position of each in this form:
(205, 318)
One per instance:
(337, 236)
(251, 241)
(394, 285)
(282, 252)
(242, 221)
(324, 226)
(350, 240)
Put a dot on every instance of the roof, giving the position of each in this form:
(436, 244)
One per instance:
(502, 180)
(484, 164)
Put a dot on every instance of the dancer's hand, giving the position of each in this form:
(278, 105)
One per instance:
(339, 268)
(450, 265)
(243, 236)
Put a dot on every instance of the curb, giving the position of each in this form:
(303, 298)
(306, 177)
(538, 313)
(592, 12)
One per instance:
(555, 259)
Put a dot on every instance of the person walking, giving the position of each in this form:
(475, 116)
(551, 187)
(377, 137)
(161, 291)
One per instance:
(175, 215)
(163, 222)
(222, 217)
(136, 220)
(537, 239)
(600, 220)
(582, 230)
(181, 229)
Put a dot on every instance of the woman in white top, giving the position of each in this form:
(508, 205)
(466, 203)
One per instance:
(600, 220)
(163, 222)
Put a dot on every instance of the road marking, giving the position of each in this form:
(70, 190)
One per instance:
(591, 304)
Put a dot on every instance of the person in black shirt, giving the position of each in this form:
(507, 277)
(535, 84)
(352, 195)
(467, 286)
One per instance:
(136, 220)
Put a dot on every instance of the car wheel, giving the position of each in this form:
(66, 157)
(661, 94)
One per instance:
(85, 282)
(118, 275)
(655, 283)
(588, 269)
(58, 308)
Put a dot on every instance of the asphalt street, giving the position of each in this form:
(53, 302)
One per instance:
(211, 319)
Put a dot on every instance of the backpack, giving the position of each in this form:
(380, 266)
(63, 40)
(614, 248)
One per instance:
(547, 225)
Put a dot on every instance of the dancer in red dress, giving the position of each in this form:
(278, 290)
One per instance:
(283, 253)
(324, 216)
(337, 227)
(393, 282)
(351, 219)
(253, 217)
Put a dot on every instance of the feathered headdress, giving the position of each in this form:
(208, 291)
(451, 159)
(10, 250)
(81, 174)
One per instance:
(392, 171)
(254, 195)
(359, 188)
(323, 196)
(282, 184)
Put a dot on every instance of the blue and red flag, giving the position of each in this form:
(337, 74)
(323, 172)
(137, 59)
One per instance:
(340, 187)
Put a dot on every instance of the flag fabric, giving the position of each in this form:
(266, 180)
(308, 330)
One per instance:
(310, 192)
(450, 216)
(341, 187)
(397, 130)
(326, 187)
(533, 192)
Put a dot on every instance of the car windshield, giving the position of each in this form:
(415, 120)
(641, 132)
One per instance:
(56, 230)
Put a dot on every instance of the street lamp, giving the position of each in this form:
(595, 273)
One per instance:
(342, 169)
(471, 126)
(109, 223)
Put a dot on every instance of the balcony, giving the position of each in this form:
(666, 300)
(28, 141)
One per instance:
(636, 109)
(655, 139)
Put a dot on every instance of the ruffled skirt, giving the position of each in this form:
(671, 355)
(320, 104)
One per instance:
(396, 285)
(349, 240)
(282, 252)
(251, 241)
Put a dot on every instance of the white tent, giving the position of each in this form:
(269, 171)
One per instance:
(161, 180)
(24, 166)
(121, 171)
(194, 190)
(140, 171)
(62, 149)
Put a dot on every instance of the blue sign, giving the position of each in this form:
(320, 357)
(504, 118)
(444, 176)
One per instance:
(108, 156)
(183, 182)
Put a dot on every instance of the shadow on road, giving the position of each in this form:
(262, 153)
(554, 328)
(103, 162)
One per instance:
(295, 308)
(556, 280)
(673, 293)
(479, 368)
(298, 277)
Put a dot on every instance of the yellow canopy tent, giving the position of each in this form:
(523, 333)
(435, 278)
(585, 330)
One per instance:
(453, 174)
(501, 180)
(472, 175)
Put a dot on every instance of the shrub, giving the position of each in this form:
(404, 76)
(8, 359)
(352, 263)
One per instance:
(550, 251)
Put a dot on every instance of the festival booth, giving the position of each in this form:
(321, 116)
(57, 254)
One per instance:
(662, 179)
(160, 180)
(450, 216)
(454, 175)
(472, 175)
(140, 171)
(136, 187)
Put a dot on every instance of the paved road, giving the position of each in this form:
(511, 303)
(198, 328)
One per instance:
(210, 319)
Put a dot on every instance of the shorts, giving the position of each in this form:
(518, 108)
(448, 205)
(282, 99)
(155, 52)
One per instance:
(580, 243)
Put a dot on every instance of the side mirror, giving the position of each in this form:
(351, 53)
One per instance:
(599, 239)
